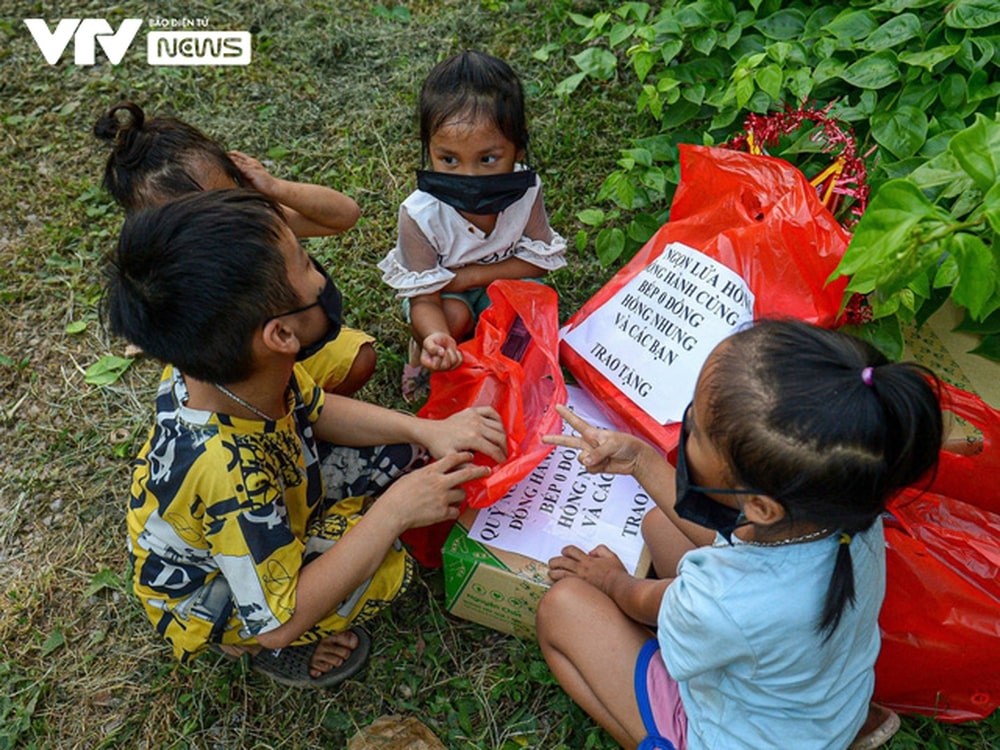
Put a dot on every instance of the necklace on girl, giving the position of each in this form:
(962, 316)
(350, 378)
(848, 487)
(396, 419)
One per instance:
(793, 540)
(242, 402)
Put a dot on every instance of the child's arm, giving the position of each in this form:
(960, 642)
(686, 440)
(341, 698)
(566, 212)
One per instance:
(347, 421)
(639, 598)
(481, 274)
(430, 330)
(423, 497)
(310, 210)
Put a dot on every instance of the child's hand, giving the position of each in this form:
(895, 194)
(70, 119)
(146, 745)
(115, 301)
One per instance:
(253, 172)
(440, 352)
(432, 493)
(478, 428)
(601, 451)
(599, 568)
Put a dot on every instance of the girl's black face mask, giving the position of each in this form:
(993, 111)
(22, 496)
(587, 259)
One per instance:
(476, 194)
(331, 303)
(693, 504)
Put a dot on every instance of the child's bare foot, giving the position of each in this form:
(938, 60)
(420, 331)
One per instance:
(331, 652)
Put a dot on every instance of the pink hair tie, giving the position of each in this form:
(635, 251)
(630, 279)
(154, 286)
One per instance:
(867, 376)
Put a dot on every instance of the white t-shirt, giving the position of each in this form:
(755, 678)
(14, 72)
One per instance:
(434, 238)
(737, 629)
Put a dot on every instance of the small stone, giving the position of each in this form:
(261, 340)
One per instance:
(395, 732)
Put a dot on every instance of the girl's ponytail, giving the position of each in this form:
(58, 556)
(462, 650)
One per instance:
(840, 592)
(909, 396)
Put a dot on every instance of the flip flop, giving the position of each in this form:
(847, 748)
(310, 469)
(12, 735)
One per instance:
(416, 383)
(881, 725)
(290, 665)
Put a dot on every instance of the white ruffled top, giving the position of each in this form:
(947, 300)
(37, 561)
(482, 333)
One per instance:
(435, 238)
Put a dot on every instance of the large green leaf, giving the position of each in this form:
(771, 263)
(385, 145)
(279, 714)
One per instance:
(977, 150)
(977, 279)
(873, 72)
(989, 324)
(989, 347)
(893, 32)
(852, 25)
(991, 207)
(900, 131)
(953, 91)
(929, 58)
(972, 14)
(784, 25)
(769, 79)
(596, 62)
(107, 370)
(609, 245)
(885, 334)
(885, 251)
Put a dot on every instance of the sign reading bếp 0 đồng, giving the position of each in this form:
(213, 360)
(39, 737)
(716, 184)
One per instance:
(561, 503)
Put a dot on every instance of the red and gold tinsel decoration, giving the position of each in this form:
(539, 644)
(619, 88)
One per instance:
(844, 178)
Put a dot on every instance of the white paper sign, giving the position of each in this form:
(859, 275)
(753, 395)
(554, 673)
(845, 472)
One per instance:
(652, 337)
(559, 504)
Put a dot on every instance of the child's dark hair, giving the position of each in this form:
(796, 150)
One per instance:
(825, 425)
(473, 85)
(191, 280)
(153, 160)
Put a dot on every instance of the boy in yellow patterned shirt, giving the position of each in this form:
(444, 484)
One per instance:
(248, 532)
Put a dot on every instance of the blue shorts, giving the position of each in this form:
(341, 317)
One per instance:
(659, 702)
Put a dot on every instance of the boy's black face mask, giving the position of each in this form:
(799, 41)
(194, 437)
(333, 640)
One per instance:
(331, 303)
(476, 194)
(693, 504)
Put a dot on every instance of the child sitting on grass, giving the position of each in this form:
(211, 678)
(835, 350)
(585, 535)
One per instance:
(158, 159)
(243, 537)
(769, 538)
(477, 214)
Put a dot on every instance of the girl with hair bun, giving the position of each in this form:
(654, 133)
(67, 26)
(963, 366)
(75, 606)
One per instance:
(155, 160)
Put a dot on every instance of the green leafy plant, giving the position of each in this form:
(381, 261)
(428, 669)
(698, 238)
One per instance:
(930, 236)
(17, 705)
(906, 74)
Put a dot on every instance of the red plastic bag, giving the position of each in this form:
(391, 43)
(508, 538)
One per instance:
(757, 216)
(941, 617)
(512, 364)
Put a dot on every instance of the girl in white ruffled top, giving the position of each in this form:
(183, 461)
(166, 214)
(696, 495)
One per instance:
(477, 215)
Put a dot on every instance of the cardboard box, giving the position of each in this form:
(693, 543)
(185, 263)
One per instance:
(496, 588)
(968, 371)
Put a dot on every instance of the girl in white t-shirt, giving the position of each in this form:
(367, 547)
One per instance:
(477, 215)
(768, 540)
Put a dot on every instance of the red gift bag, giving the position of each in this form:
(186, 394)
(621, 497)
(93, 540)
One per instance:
(757, 216)
(941, 618)
(511, 364)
